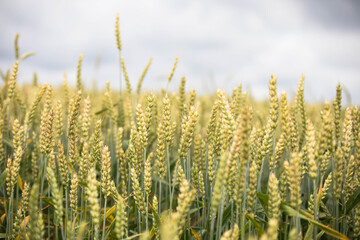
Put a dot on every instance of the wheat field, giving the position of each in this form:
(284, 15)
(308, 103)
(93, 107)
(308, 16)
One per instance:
(133, 164)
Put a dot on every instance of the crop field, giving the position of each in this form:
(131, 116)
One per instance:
(132, 164)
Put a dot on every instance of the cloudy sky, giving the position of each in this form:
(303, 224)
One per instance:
(219, 43)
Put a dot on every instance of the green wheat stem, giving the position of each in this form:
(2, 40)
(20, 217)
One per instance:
(315, 209)
(219, 227)
(48, 223)
(173, 189)
(66, 209)
(160, 200)
(10, 213)
(104, 220)
(147, 213)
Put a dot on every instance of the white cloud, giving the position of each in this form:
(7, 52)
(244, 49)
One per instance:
(220, 44)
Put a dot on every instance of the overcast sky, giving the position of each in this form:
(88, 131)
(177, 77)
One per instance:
(219, 43)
